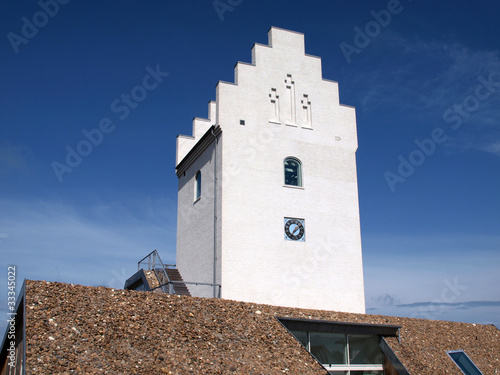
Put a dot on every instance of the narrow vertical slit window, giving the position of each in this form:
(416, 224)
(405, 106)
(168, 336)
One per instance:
(197, 186)
(293, 172)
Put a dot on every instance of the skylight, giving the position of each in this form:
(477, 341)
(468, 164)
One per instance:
(463, 361)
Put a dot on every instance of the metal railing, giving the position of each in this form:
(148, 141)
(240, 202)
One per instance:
(152, 262)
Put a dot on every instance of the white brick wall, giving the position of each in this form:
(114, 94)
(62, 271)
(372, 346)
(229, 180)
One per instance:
(195, 224)
(257, 264)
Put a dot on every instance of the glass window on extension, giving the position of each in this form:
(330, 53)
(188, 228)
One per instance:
(343, 354)
(463, 361)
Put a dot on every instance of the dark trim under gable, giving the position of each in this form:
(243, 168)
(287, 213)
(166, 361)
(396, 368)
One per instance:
(393, 358)
(313, 325)
(197, 149)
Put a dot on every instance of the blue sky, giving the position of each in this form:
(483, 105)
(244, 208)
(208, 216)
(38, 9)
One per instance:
(424, 78)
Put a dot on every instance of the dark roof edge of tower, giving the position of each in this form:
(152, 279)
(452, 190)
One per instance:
(198, 149)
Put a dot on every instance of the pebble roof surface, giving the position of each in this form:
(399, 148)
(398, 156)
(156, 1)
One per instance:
(152, 279)
(96, 330)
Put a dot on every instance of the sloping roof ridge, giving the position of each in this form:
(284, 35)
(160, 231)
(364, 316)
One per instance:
(300, 310)
(242, 336)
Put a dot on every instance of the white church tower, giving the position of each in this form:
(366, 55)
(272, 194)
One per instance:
(268, 197)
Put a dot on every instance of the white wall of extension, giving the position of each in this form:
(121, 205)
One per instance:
(288, 109)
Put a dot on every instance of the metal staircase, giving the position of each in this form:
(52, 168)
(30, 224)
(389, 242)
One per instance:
(179, 286)
(169, 278)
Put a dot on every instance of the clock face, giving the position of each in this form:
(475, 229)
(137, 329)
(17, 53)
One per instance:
(294, 229)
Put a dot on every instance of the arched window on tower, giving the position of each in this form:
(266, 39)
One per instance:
(293, 172)
(197, 186)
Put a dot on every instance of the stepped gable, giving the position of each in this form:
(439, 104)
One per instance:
(73, 328)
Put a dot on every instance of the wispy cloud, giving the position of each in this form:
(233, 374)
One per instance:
(433, 73)
(467, 311)
(83, 244)
(455, 305)
(384, 300)
(452, 268)
(432, 77)
(14, 158)
(95, 244)
(493, 148)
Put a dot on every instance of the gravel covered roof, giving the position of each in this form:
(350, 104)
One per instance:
(86, 330)
(151, 278)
